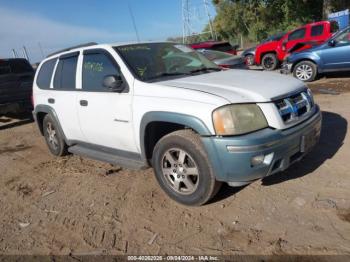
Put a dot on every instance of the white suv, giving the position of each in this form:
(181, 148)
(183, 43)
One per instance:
(166, 106)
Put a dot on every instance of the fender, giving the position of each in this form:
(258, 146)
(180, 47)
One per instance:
(49, 110)
(297, 57)
(176, 118)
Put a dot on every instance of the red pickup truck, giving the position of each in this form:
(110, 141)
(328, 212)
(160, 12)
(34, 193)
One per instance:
(269, 55)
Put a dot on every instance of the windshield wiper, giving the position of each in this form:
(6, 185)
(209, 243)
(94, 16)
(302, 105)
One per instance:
(168, 74)
(205, 69)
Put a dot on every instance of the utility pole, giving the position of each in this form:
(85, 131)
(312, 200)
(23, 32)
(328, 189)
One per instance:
(213, 35)
(188, 19)
(186, 26)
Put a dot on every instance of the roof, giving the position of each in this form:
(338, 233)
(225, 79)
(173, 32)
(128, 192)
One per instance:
(96, 45)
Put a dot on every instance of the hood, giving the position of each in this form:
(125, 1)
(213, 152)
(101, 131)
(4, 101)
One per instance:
(240, 86)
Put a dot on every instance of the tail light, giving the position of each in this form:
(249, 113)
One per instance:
(32, 100)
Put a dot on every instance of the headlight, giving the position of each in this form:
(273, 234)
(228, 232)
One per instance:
(238, 119)
(311, 96)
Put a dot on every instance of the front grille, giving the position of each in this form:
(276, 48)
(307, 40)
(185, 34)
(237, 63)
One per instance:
(293, 107)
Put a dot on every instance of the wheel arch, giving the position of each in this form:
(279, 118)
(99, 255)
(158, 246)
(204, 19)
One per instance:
(305, 59)
(40, 112)
(155, 125)
(266, 53)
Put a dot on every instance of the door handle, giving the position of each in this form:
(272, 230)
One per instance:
(51, 100)
(83, 102)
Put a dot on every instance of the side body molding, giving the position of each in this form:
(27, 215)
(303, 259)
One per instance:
(170, 117)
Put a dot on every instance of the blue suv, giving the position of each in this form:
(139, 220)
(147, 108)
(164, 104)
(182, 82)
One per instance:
(332, 56)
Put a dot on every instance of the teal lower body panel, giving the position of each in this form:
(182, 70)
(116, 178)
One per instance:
(231, 157)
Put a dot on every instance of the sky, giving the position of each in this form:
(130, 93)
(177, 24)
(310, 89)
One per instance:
(54, 25)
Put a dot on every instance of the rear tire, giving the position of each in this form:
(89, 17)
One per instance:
(183, 170)
(54, 138)
(305, 71)
(269, 62)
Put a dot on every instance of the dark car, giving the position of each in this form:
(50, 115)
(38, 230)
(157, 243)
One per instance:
(16, 79)
(249, 53)
(225, 60)
(216, 46)
(332, 56)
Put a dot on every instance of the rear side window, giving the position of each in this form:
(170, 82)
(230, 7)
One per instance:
(96, 67)
(334, 27)
(65, 73)
(222, 47)
(45, 74)
(297, 34)
(20, 66)
(317, 30)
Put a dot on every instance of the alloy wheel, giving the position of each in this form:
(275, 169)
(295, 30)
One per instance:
(304, 72)
(180, 171)
(52, 135)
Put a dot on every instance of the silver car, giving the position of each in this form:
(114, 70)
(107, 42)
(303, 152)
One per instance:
(225, 60)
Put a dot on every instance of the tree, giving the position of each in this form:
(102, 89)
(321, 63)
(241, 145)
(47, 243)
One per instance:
(257, 19)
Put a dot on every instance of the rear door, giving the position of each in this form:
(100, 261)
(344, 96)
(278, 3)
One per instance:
(63, 95)
(318, 34)
(105, 116)
(295, 37)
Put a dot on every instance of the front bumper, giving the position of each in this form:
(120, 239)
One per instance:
(231, 157)
(286, 68)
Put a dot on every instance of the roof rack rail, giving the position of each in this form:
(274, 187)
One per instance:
(72, 47)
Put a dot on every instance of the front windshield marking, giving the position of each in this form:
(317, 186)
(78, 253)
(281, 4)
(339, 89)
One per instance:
(158, 60)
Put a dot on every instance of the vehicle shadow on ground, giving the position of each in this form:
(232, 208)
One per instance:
(11, 120)
(225, 191)
(345, 74)
(333, 132)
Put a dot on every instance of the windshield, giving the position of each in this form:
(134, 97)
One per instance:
(275, 37)
(343, 37)
(155, 61)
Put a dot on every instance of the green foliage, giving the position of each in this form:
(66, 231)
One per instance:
(257, 19)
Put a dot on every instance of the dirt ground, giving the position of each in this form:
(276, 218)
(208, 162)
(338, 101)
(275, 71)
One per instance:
(78, 206)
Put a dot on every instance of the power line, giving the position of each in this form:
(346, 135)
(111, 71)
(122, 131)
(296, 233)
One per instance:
(189, 10)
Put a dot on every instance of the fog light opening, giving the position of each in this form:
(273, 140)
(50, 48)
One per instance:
(261, 159)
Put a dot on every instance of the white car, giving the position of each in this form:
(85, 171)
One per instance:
(166, 106)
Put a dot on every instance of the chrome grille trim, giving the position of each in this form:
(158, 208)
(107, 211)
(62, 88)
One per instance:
(294, 107)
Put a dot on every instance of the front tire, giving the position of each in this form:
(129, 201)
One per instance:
(54, 138)
(269, 62)
(183, 170)
(305, 71)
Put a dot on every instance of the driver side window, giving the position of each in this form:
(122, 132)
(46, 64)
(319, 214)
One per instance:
(96, 66)
(343, 38)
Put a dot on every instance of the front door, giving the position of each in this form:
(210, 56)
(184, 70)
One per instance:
(105, 116)
(337, 57)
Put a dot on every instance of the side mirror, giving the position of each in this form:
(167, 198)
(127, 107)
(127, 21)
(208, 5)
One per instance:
(113, 83)
(332, 43)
